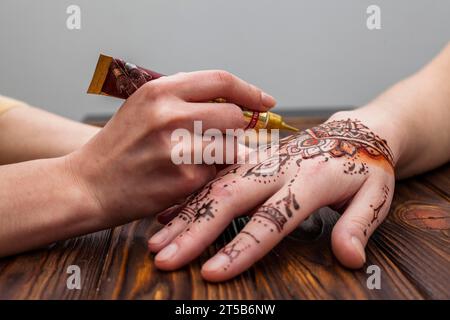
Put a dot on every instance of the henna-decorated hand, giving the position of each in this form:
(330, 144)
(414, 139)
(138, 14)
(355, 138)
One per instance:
(340, 163)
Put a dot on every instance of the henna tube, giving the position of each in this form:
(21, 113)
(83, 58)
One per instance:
(117, 78)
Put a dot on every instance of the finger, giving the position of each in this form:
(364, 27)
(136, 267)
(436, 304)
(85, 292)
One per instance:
(202, 221)
(269, 224)
(211, 84)
(234, 175)
(220, 116)
(167, 215)
(363, 215)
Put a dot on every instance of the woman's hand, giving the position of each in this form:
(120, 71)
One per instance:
(127, 168)
(340, 163)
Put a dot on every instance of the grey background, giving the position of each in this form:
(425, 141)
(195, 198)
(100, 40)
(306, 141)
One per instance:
(308, 54)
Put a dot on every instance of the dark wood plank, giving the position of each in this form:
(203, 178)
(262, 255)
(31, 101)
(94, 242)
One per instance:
(42, 274)
(299, 268)
(416, 237)
(439, 180)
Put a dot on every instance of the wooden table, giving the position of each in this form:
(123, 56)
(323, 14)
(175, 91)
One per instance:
(412, 249)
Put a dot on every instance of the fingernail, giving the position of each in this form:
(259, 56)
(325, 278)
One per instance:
(215, 263)
(359, 248)
(168, 252)
(267, 100)
(160, 236)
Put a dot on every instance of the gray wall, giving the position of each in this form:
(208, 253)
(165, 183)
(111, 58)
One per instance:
(307, 54)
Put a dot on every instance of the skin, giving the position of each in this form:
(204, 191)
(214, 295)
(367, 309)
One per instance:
(29, 133)
(350, 163)
(109, 180)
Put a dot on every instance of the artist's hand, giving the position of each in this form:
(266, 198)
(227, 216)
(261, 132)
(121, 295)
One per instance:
(340, 163)
(127, 167)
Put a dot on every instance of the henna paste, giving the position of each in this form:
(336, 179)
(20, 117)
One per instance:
(376, 209)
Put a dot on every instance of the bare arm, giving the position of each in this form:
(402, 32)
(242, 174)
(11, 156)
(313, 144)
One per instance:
(414, 117)
(29, 133)
(110, 180)
(40, 202)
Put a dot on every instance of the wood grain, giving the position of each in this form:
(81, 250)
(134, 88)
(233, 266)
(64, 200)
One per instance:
(412, 249)
(42, 274)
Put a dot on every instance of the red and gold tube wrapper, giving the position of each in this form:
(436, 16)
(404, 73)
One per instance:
(117, 78)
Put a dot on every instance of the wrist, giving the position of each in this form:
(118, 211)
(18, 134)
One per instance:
(380, 123)
(83, 196)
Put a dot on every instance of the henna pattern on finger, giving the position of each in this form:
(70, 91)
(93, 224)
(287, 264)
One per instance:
(200, 205)
(205, 211)
(272, 213)
(233, 250)
(250, 235)
(376, 209)
(186, 214)
(269, 216)
(348, 140)
(289, 201)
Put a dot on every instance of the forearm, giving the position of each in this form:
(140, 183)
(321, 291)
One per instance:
(41, 202)
(413, 116)
(29, 133)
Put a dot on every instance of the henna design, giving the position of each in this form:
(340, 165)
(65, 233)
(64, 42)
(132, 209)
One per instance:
(288, 201)
(200, 205)
(272, 214)
(340, 138)
(376, 209)
(187, 214)
(205, 211)
(268, 167)
(250, 235)
(234, 249)
(348, 139)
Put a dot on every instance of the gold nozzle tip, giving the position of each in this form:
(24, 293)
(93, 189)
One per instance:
(285, 126)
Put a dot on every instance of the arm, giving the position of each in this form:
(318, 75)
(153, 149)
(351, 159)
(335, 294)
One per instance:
(29, 133)
(111, 179)
(347, 162)
(41, 202)
(414, 117)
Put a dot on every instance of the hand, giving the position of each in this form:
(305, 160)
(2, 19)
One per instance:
(127, 168)
(340, 163)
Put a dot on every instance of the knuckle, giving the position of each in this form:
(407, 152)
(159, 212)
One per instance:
(164, 144)
(314, 165)
(150, 89)
(191, 177)
(168, 116)
(225, 78)
(156, 89)
(235, 113)
(223, 190)
(196, 177)
(256, 95)
(254, 92)
(358, 223)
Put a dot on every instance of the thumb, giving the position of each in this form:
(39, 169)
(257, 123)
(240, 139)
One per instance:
(364, 214)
